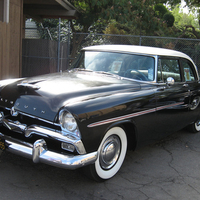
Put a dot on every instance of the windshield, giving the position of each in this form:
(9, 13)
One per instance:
(138, 67)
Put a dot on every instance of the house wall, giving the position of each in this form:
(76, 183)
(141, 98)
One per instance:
(1, 9)
(11, 41)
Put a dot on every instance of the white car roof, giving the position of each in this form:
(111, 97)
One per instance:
(138, 49)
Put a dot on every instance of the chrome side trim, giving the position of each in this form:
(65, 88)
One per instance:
(39, 152)
(121, 118)
(107, 121)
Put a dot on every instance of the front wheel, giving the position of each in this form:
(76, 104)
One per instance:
(111, 154)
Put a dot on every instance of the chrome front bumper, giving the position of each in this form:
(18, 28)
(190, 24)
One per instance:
(39, 152)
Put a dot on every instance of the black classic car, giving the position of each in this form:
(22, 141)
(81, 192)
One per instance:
(113, 98)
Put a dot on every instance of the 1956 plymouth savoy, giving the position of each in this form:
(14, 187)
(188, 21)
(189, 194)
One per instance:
(113, 98)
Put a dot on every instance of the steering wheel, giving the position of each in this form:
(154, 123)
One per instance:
(140, 75)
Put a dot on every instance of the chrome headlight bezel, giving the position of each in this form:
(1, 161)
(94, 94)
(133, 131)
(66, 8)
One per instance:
(68, 123)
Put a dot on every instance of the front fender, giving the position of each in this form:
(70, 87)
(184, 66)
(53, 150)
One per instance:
(96, 116)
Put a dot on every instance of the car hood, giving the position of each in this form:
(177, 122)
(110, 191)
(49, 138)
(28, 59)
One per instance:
(43, 96)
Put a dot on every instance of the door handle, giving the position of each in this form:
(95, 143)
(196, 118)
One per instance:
(185, 85)
(161, 88)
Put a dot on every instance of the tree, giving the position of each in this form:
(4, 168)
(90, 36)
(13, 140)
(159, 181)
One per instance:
(160, 10)
(194, 5)
(183, 19)
(48, 29)
(163, 13)
(186, 24)
(122, 17)
(132, 13)
(169, 18)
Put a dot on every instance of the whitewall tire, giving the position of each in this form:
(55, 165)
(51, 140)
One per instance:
(194, 127)
(111, 154)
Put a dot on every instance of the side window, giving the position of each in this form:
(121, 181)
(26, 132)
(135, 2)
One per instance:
(188, 70)
(168, 68)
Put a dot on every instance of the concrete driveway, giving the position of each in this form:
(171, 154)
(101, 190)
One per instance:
(167, 170)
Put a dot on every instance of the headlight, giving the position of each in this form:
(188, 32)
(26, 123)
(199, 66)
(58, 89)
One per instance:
(68, 123)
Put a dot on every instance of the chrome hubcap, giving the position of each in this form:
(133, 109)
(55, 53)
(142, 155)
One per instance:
(195, 103)
(110, 152)
(197, 125)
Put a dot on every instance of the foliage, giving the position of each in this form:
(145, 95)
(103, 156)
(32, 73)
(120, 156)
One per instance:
(158, 26)
(183, 19)
(96, 15)
(186, 24)
(169, 18)
(192, 3)
(163, 13)
(134, 14)
(123, 11)
(44, 27)
(173, 3)
(124, 17)
(116, 28)
(160, 10)
(48, 29)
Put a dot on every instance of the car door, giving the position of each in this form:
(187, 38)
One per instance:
(172, 96)
(192, 83)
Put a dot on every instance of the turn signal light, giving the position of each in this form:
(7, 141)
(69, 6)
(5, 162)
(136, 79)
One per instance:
(67, 146)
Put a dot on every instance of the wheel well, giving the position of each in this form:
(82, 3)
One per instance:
(130, 130)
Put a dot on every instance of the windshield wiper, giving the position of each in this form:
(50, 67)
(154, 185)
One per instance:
(108, 73)
(81, 69)
(99, 72)
(103, 72)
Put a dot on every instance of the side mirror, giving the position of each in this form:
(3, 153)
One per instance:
(170, 81)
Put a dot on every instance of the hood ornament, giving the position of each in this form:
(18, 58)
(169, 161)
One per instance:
(28, 85)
